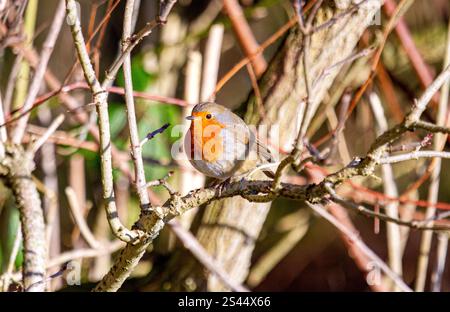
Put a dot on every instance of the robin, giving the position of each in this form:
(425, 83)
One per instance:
(220, 145)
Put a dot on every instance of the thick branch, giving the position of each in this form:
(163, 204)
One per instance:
(17, 167)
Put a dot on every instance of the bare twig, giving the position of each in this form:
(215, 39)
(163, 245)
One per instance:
(165, 8)
(270, 259)
(390, 189)
(47, 50)
(438, 272)
(34, 147)
(414, 155)
(136, 146)
(191, 179)
(400, 10)
(417, 61)
(433, 191)
(12, 82)
(347, 60)
(3, 134)
(17, 169)
(12, 259)
(412, 146)
(413, 224)
(245, 35)
(191, 243)
(163, 182)
(100, 98)
(75, 209)
(256, 91)
(60, 138)
(85, 253)
(23, 78)
(338, 138)
(362, 246)
(211, 62)
(152, 134)
(48, 164)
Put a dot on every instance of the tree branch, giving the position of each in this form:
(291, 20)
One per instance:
(100, 100)
(136, 148)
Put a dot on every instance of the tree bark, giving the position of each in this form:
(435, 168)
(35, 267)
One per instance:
(17, 168)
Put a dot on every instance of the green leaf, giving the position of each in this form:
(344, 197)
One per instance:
(9, 223)
(117, 119)
(141, 78)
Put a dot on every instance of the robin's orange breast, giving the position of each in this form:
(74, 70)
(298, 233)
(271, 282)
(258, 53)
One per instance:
(206, 138)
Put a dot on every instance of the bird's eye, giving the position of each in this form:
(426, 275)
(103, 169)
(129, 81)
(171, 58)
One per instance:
(209, 116)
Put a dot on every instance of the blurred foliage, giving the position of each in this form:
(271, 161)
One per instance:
(9, 223)
(151, 116)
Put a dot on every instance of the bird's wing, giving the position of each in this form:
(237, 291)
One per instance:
(264, 157)
(247, 140)
(263, 152)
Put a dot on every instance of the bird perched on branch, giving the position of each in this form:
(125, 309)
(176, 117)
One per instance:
(221, 145)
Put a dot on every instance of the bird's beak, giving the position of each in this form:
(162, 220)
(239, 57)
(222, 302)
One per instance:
(190, 117)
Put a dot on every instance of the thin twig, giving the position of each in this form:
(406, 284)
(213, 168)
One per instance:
(100, 98)
(34, 147)
(417, 61)
(191, 243)
(245, 35)
(271, 258)
(257, 92)
(163, 182)
(12, 258)
(165, 8)
(211, 62)
(414, 155)
(13, 76)
(152, 134)
(433, 192)
(337, 134)
(400, 10)
(347, 60)
(49, 164)
(23, 78)
(390, 189)
(3, 134)
(79, 220)
(47, 50)
(441, 257)
(136, 146)
(85, 253)
(62, 92)
(190, 179)
(414, 224)
(362, 246)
